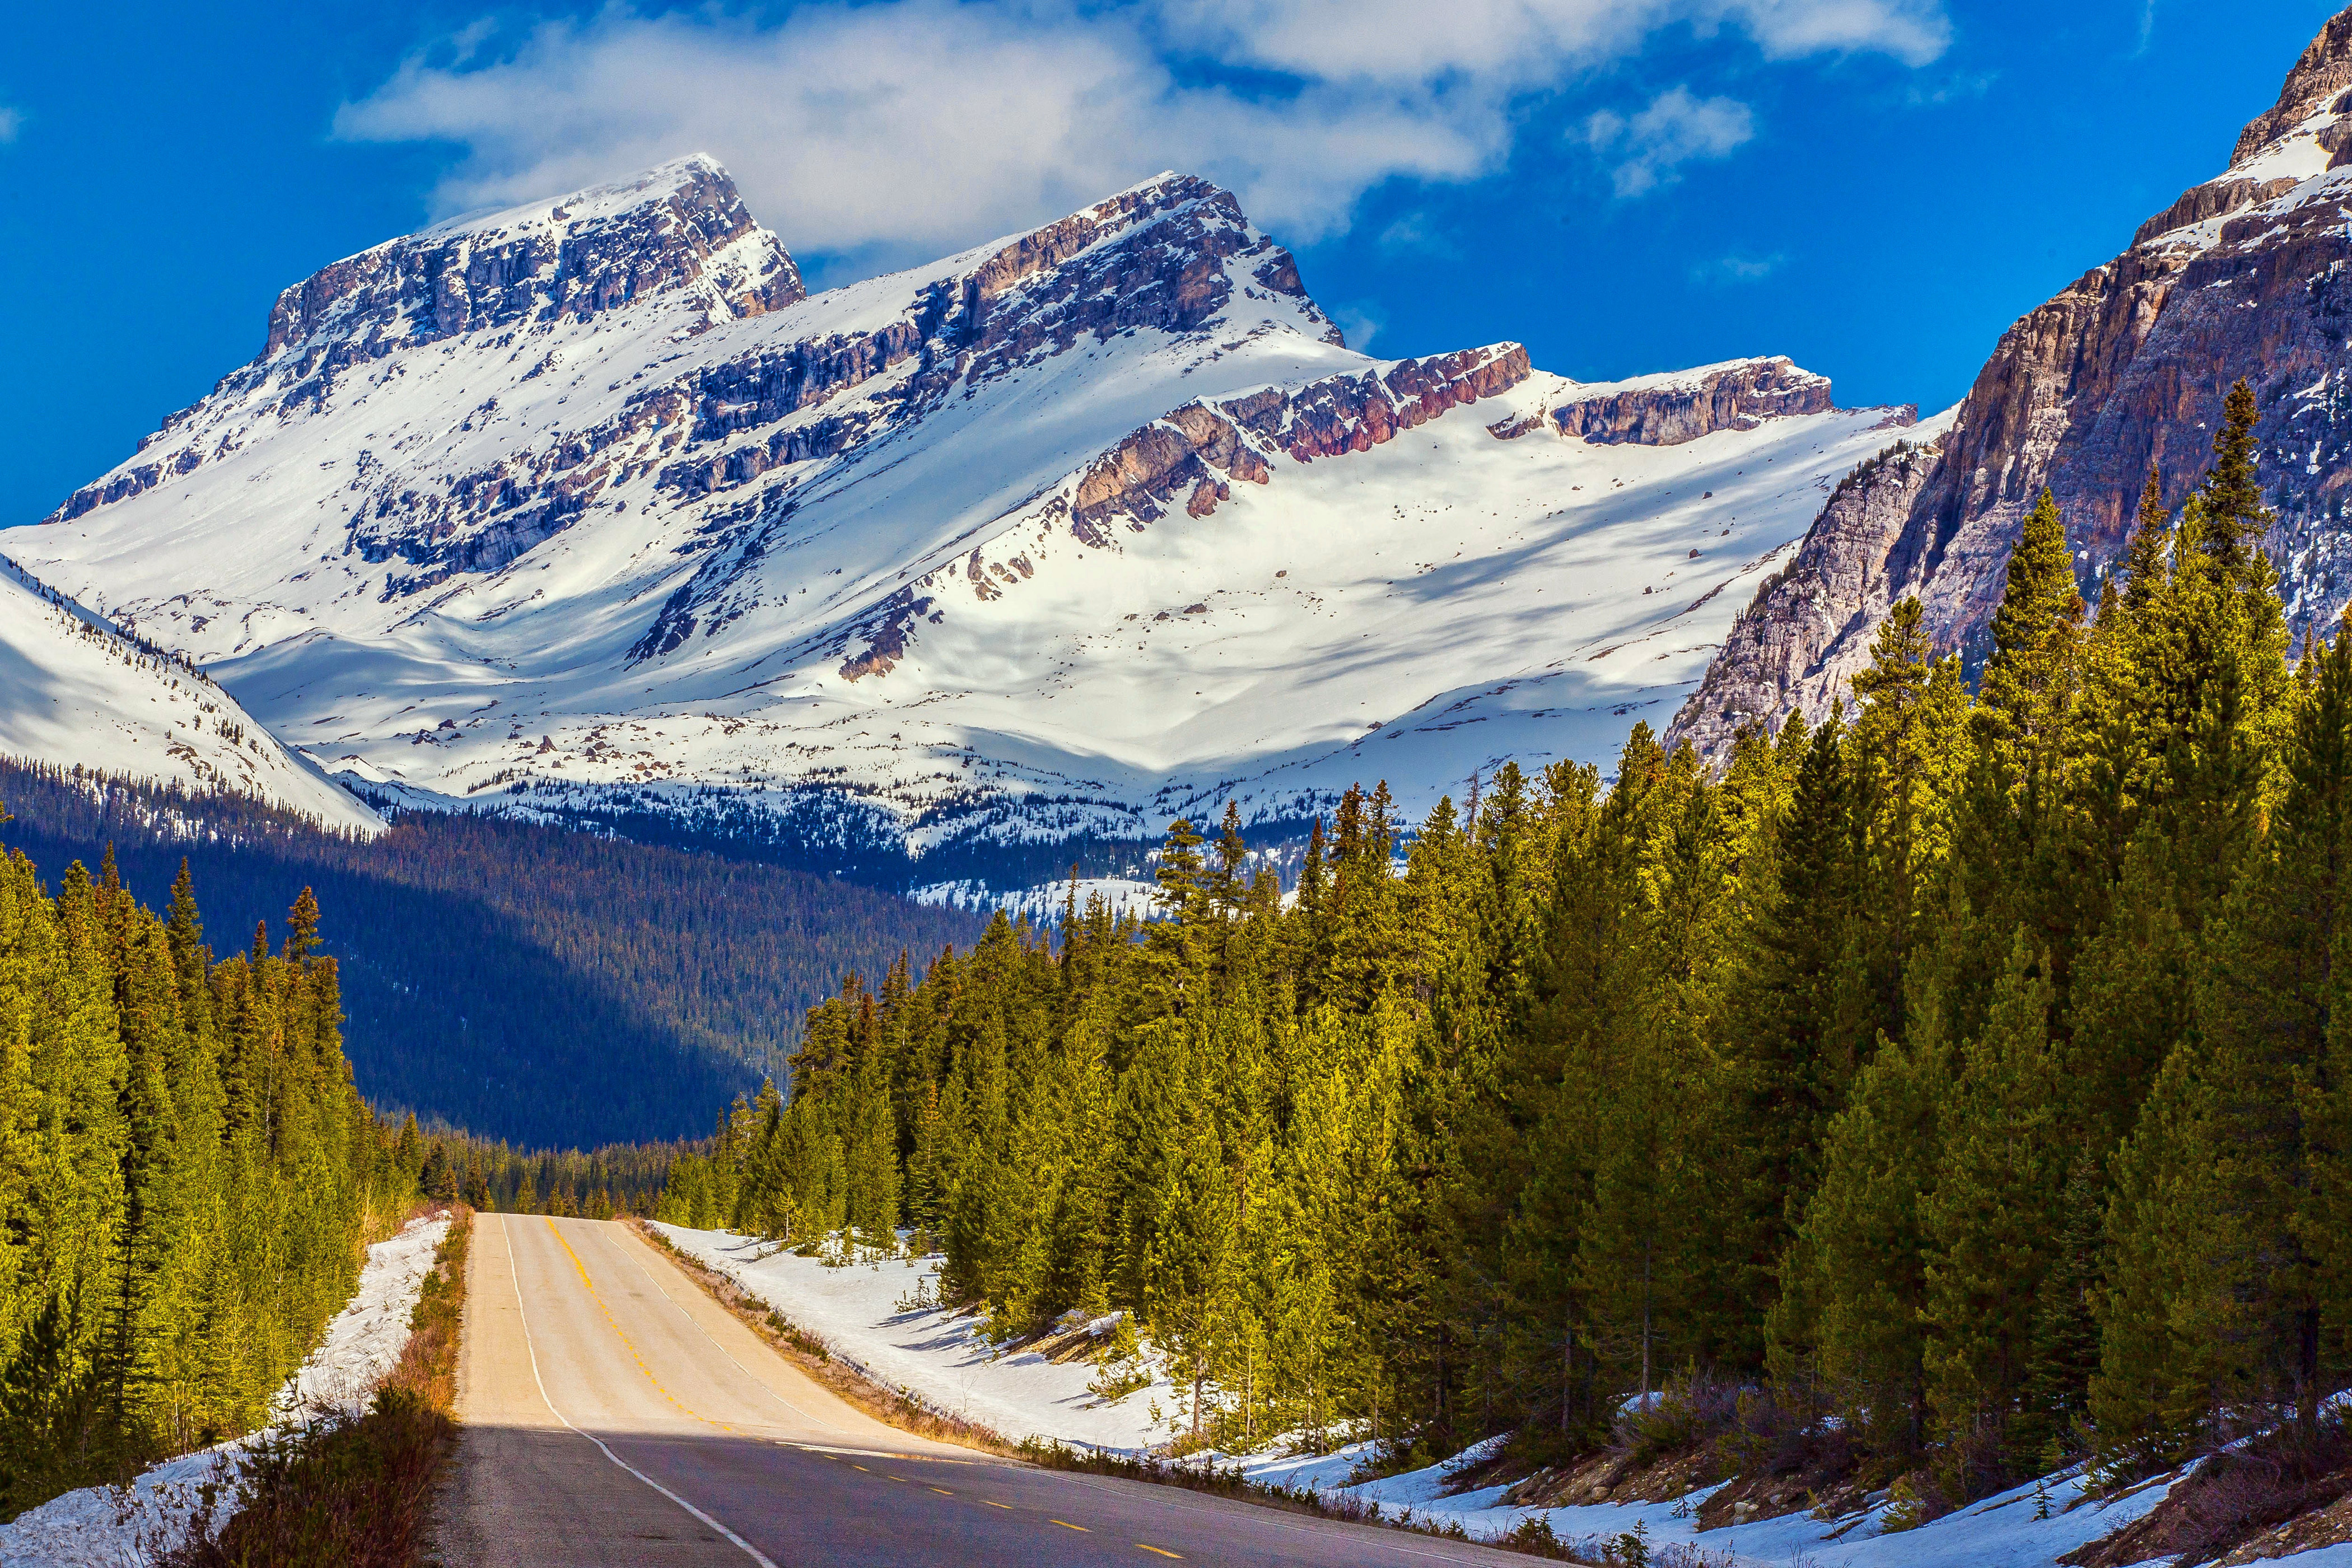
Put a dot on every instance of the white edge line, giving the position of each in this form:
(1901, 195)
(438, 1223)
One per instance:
(1345, 1528)
(756, 1380)
(749, 1550)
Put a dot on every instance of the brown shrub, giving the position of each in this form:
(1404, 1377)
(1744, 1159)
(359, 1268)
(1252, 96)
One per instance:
(354, 1493)
(2239, 1492)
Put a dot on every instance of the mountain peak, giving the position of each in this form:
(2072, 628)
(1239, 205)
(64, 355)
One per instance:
(695, 182)
(1153, 254)
(680, 228)
(2323, 73)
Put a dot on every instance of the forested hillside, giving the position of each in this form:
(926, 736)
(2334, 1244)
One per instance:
(524, 983)
(1962, 1074)
(187, 1176)
(489, 1174)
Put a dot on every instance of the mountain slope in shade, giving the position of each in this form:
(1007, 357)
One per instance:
(74, 693)
(2124, 372)
(585, 510)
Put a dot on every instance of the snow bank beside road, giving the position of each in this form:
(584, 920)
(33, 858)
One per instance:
(113, 1527)
(942, 1359)
(939, 1357)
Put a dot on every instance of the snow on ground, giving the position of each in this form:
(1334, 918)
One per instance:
(943, 1359)
(940, 1357)
(111, 1527)
(2001, 1531)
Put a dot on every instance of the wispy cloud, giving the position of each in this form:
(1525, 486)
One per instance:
(11, 121)
(2147, 29)
(901, 125)
(1417, 231)
(1361, 322)
(1649, 149)
(1739, 269)
(1953, 88)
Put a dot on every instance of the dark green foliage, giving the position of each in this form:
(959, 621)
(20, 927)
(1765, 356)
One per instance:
(526, 983)
(187, 1176)
(1970, 1070)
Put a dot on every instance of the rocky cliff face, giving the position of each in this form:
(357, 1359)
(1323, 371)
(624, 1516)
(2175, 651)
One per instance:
(1801, 640)
(2122, 374)
(679, 235)
(1194, 450)
(1666, 411)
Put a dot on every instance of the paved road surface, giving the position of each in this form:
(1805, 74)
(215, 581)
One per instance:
(613, 1415)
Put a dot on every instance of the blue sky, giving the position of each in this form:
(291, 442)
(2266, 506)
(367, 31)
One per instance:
(1875, 187)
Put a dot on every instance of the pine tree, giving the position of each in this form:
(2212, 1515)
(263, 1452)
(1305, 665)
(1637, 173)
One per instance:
(2165, 1314)
(1988, 1224)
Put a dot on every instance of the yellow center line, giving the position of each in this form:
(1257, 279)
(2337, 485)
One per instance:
(861, 1468)
(596, 1295)
(1065, 1524)
(1160, 1550)
(943, 1491)
(994, 1503)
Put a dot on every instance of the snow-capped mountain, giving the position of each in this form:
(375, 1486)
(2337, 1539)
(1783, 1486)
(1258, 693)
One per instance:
(585, 508)
(2248, 274)
(74, 694)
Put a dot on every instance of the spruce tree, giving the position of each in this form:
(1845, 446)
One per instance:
(1989, 1226)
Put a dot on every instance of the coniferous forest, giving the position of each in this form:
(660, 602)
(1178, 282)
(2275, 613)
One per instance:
(187, 1176)
(525, 982)
(1960, 1076)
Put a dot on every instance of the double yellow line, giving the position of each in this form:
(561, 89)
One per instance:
(621, 1334)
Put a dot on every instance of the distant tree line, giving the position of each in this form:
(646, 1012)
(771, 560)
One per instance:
(596, 1184)
(187, 1175)
(528, 982)
(1966, 1076)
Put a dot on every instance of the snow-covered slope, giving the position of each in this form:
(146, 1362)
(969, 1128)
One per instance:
(74, 693)
(583, 506)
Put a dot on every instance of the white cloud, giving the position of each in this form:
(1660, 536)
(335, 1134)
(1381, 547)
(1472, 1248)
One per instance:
(1737, 269)
(908, 123)
(11, 121)
(1361, 323)
(1417, 231)
(1675, 129)
(889, 129)
(1525, 42)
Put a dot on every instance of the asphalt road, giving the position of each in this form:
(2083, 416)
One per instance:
(613, 1414)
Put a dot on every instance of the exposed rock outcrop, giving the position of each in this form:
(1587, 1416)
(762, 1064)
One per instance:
(1666, 411)
(1794, 646)
(669, 230)
(2122, 374)
(1196, 449)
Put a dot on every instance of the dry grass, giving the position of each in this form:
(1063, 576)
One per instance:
(892, 1406)
(358, 1492)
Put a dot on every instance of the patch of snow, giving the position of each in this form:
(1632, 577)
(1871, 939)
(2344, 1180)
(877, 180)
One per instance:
(113, 1527)
(2336, 1557)
(942, 1359)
